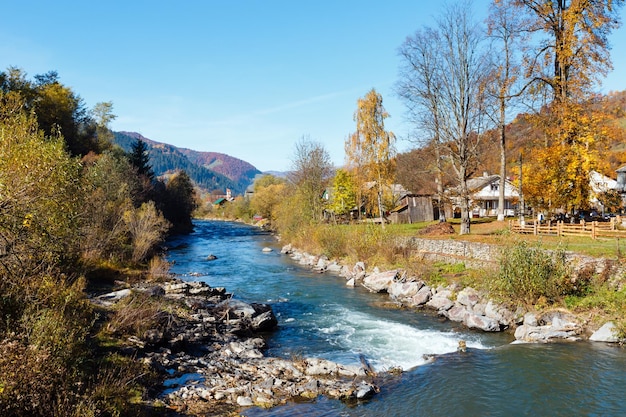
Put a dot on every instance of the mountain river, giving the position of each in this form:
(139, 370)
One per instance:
(320, 317)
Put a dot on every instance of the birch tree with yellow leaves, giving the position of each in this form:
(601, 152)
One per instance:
(370, 151)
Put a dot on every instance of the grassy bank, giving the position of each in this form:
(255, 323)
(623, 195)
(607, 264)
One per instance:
(526, 273)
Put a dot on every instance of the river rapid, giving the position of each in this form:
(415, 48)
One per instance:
(320, 317)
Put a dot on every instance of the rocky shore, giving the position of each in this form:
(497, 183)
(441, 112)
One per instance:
(212, 357)
(472, 308)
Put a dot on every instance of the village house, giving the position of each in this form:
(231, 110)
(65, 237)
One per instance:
(484, 197)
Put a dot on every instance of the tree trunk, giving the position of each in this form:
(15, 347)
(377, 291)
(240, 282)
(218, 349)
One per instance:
(465, 212)
(502, 163)
(380, 207)
(440, 197)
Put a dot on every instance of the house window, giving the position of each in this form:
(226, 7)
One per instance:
(494, 186)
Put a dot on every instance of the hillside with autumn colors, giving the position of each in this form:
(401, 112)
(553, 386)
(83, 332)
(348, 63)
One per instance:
(416, 168)
(211, 171)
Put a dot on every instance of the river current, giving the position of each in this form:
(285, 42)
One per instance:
(320, 317)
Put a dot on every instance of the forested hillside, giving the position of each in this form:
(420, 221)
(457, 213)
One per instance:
(209, 170)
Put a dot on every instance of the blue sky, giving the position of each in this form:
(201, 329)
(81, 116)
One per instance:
(246, 78)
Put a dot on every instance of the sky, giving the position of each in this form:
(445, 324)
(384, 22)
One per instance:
(248, 78)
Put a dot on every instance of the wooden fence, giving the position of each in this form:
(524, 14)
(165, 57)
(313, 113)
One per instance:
(593, 230)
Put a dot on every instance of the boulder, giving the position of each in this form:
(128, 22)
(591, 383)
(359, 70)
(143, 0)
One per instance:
(468, 297)
(606, 333)
(381, 281)
(112, 297)
(441, 301)
(365, 391)
(315, 366)
(404, 290)
(457, 313)
(422, 297)
(486, 324)
(264, 322)
(236, 308)
(499, 313)
(551, 326)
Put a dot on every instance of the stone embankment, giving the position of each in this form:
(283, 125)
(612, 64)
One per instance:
(212, 355)
(474, 309)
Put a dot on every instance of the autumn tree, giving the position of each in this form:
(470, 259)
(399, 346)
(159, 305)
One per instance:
(343, 194)
(370, 151)
(39, 196)
(269, 191)
(310, 173)
(567, 63)
(57, 108)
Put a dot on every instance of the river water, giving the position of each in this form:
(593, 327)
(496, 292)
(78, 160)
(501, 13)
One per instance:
(320, 317)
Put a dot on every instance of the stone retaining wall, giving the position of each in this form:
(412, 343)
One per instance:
(483, 255)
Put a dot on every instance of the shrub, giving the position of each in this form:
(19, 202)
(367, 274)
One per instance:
(528, 273)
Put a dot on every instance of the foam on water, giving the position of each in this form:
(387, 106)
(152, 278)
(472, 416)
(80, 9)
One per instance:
(385, 343)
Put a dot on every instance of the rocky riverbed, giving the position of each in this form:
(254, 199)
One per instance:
(472, 308)
(212, 355)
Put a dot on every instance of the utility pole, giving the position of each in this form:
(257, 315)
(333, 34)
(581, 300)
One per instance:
(522, 222)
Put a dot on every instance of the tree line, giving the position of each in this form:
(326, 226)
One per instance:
(72, 205)
(464, 81)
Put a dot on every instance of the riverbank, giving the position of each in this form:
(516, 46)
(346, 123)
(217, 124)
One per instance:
(208, 348)
(477, 309)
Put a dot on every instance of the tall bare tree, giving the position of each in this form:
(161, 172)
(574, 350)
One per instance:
(449, 67)
(506, 28)
(418, 86)
(311, 173)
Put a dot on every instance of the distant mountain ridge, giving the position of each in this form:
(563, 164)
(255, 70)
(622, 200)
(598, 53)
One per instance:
(209, 170)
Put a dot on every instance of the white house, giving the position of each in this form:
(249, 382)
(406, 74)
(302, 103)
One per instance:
(485, 194)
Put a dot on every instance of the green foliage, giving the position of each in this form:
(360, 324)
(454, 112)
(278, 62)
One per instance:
(343, 195)
(56, 108)
(40, 197)
(179, 202)
(269, 193)
(139, 158)
(310, 174)
(528, 273)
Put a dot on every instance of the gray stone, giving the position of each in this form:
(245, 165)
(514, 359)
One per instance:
(244, 401)
(530, 319)
(474, 321)
(380, 282)
(606, 333)
(365, 391)
(499, 313)
(422, 296)
(457, 313)
(264, 321)
(440, 301)
(404, 290)
(468, 297)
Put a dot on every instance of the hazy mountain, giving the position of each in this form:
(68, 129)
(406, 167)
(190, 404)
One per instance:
(209, 170)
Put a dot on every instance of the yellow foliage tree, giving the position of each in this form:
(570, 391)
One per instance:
(370, 151)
